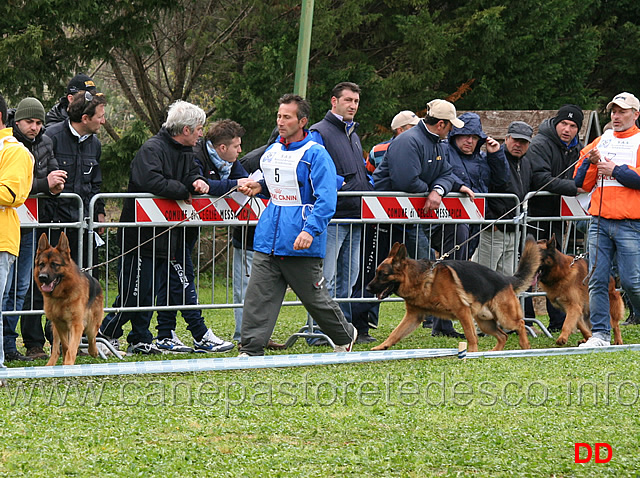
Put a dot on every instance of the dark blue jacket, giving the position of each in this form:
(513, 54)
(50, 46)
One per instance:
(217, 186)
(414, 163)
(479, 170)
(346, 151)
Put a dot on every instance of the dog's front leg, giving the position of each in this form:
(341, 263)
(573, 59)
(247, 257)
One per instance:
(408, 324)
(55, 347)
(75, 335)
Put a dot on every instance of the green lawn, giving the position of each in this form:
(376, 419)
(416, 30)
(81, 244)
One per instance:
(415, 418)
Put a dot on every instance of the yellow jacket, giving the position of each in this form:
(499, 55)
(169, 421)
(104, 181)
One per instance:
(16, 173)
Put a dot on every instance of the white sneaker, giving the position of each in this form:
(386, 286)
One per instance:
(173, 345)
(210, 342)
(594, 341)
(243, 354)
(349, 346)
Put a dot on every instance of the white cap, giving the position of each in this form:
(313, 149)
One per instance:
(442, 109)
(404, 118)
(625, 101)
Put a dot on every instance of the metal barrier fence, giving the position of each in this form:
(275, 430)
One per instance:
(212, 222)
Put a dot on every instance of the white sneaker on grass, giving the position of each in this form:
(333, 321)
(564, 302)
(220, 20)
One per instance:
(594, 341)
(210, 342)
(349, 346)
(144, 349)
(173, 345)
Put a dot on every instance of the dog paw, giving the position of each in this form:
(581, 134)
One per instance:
(380, 347)
(561, 341)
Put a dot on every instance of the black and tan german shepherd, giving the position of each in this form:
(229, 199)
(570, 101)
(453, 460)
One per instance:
(460, 290)
(562, 277)
(73, 300)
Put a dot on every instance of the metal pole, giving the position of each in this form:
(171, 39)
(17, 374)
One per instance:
(304, 45)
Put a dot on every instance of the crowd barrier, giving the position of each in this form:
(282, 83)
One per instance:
(213, 219)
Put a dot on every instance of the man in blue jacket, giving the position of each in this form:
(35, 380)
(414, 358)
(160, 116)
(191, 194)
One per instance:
(291, 236)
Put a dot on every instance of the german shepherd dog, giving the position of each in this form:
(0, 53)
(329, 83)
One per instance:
(562, 277)
(461, 290)
(73, 299)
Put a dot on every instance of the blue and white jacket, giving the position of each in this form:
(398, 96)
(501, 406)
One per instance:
(279, 226)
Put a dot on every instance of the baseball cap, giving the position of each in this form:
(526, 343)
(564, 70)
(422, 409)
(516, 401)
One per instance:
(442, 109)
(625, 101)
(404, 118)
(520, 130)
(81, 82)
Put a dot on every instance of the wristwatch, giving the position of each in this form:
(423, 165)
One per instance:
(439, 190)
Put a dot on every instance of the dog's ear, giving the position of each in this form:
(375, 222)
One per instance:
(63, 244)
(43, 243)
(394, 249)
(400, 253)
(552, 243)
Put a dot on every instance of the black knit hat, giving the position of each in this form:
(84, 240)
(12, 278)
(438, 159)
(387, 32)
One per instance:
(569, 113)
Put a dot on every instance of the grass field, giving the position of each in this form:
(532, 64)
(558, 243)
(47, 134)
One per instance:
(413, 418)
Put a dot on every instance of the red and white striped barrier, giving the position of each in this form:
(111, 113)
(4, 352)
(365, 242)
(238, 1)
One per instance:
(451, 209)
(571, 207)
(225, 211)
(28, 212)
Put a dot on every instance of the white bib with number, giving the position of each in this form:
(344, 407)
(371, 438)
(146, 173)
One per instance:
(620, 151)
(279, 167)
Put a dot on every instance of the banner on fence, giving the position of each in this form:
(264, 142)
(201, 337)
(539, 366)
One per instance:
(412, 208)
(573, 206)
(28, 212)
(224, 211)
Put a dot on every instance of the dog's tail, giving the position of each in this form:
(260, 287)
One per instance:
(528, 266)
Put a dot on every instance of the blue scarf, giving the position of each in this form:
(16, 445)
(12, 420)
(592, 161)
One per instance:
(223, 167)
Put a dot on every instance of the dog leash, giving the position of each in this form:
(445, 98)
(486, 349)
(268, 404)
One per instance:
(595, 256)
(516, 220)
(84, 269)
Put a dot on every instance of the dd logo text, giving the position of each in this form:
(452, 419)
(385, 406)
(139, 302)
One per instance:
(590, 453)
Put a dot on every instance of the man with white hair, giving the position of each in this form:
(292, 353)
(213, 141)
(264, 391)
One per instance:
(163, 166)
(610, 166)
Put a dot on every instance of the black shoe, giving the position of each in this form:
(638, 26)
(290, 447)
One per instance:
(365, 339)
(454, 334)
(15, 356)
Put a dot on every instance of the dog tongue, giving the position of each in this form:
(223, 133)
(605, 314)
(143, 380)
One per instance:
(47, 287)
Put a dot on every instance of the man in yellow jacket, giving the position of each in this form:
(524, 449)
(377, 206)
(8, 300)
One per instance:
(16, 173)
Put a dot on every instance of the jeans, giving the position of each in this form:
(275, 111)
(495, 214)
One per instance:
(241, 273)
(619, 239)
(6, 260)
(15, 290)
(342, 261)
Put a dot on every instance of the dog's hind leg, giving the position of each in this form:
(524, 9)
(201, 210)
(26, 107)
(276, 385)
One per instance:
(490, 327)
(408, 324)
(509, 315)
(616, 310)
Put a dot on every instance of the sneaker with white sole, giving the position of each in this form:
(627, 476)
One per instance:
(114, 342)
(594, 341)
(349, 346)
(173, 345)
(243, 355)
(144, 349)
(211, 343)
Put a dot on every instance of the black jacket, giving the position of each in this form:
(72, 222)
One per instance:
(346, 151)
(519, 184)
(81, 161)
(549, 157)
(58, 112)
(166, 168)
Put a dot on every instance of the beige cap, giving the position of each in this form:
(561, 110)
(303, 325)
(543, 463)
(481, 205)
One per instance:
(625, 101)
(442, 109)
(404, 118)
